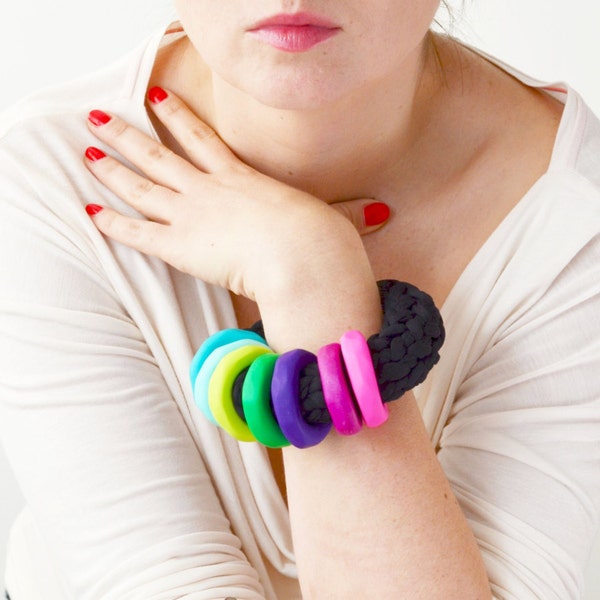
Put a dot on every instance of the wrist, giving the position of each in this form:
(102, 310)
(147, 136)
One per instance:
(319, 286)
(311, 309)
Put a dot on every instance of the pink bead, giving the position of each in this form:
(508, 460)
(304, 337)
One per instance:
(361, 373)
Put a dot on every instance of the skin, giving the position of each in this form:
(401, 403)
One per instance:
(374, 114)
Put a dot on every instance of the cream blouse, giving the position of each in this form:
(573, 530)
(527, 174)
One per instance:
(132, 494)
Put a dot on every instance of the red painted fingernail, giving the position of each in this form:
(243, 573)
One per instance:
(94, 154)
(156, 95)
(98, 117)
(93, 209)
(376, 213)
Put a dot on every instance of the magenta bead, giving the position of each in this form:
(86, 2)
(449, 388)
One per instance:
(336, 392)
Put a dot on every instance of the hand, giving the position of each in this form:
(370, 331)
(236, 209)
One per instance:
(216, 218)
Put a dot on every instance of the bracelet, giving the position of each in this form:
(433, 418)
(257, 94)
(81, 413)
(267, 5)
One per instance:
(298, 396)
(403, 352)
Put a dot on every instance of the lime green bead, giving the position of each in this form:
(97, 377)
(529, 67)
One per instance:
(220, 388)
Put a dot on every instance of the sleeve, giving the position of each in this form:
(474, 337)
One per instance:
(522, 447)
(116, 485)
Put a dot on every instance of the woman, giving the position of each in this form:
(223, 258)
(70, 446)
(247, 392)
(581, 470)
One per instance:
(483, 482)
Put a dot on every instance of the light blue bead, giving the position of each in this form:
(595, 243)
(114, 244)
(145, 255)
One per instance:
(226, 336)
(209, 364)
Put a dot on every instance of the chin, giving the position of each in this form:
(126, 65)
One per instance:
(298, 99)
(295, 90)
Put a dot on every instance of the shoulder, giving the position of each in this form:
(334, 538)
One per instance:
(550, 118)
(578, 140)
(541, 140)
(54, 111)
(43, 137)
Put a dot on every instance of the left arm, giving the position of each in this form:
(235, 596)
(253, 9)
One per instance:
(382, 497)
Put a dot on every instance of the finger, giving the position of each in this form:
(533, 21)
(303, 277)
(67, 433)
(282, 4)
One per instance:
(203, 146)
(153, 201)
(145, 236)
(367, 216)
(162, 165)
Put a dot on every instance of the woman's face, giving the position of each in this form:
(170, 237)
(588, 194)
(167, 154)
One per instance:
(296, 54)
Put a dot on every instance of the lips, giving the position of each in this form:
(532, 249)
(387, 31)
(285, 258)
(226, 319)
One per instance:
(296, 32)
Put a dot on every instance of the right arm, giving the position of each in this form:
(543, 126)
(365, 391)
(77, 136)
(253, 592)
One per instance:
(106, 463)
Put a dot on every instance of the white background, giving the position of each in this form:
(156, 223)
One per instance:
(42, 43)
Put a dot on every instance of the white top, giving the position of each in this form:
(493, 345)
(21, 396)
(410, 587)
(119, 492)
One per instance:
(132, 494)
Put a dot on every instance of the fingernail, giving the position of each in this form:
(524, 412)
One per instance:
(97, 117)
(156, 95)
(376, 213)
(93, 209)
(94, 154)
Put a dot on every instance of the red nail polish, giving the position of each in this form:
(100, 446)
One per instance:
(94, 154)
(93, 209)
(156, 95)
(98, 117)
(376, 213)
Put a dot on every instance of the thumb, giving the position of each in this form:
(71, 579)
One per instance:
(366, 215)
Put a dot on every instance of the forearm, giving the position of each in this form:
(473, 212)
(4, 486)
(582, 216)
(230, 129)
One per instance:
(373, 516)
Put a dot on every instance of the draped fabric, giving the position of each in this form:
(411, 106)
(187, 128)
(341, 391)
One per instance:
(132, 494)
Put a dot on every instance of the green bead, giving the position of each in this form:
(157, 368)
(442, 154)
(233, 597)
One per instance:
(256, 400)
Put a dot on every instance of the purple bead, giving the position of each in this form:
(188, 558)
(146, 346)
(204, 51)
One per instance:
(285, 394)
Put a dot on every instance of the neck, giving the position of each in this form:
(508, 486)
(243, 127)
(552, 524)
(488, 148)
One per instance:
(336, 151)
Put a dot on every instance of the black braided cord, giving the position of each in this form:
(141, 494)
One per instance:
(403, 352)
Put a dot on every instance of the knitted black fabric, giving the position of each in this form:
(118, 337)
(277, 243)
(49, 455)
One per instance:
(403, 352)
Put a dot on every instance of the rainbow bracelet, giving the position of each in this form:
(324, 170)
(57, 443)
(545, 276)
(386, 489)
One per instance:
(253, 393)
